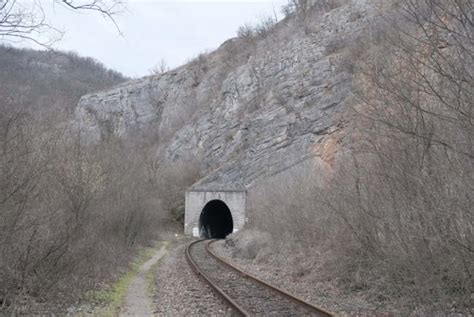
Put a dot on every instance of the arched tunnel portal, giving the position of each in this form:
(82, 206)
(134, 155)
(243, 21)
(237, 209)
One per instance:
(214, 213)
(215, 221)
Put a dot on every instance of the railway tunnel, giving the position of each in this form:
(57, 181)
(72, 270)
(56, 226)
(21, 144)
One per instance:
(214, 213)
(215, 221)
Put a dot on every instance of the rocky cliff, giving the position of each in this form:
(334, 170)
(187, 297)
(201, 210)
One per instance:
(250, 109)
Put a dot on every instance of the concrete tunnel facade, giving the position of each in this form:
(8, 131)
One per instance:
(214, 214)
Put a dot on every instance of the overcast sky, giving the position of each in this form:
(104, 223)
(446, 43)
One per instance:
(153, 30)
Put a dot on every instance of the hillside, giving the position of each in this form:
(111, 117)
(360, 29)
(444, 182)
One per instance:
(252, 108)
(340, 123)
(49, 80)
(347, 125)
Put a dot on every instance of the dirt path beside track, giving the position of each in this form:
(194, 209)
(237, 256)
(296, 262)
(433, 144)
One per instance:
(138, 301)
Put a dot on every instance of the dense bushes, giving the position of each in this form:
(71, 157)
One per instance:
(75, 211)
(395, 215)
(71, 212)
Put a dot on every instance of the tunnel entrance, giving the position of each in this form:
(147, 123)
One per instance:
(215, 221)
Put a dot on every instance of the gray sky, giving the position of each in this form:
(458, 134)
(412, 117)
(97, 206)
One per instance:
(175, 31)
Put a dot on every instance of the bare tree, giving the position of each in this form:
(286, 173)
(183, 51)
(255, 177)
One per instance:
(160, 68)
(28, 22)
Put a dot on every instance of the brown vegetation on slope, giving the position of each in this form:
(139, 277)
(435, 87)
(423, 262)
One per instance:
(395, 221)
(71, 212)
(41, 81)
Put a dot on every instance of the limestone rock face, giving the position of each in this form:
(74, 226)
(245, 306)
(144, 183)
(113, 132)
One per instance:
(249, 109)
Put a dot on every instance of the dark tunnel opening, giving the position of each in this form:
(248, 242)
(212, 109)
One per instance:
(215, 221)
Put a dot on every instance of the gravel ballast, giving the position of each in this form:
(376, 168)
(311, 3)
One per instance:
(318, 294)
(180, 292)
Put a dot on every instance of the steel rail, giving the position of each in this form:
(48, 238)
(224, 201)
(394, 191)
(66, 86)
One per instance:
(230, 302)
(280, 291)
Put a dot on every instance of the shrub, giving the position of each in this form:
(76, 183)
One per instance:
(245, 31)
(261, 29)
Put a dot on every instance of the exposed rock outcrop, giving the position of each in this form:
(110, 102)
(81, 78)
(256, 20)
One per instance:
(249, 109)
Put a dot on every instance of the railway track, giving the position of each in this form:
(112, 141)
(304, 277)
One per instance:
(244, 293)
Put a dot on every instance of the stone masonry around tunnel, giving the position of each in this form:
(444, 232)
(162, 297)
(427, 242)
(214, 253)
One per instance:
(214, 214)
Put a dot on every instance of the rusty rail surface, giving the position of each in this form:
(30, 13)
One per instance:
(298, 301)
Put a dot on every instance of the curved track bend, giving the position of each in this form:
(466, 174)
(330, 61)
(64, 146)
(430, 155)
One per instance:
(244, 293)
